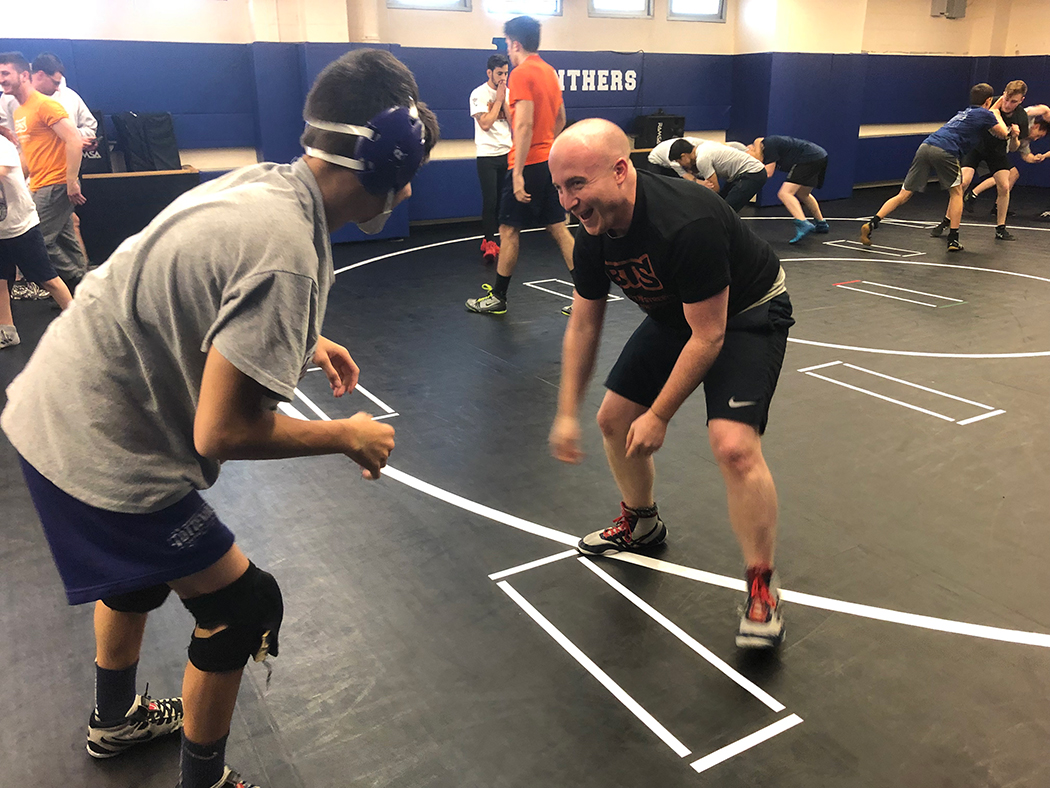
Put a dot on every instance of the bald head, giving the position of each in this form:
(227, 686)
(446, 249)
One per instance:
(595, 138)
(590, 164)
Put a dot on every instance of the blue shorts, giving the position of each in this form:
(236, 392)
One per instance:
(543, 208)
(100, 553)
(28, 253)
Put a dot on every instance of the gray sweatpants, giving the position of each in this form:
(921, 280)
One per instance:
(56, 225)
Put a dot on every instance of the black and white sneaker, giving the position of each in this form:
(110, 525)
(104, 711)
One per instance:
(620, 537)
(762, 619)
(1004, 235)
(147, 719)
(230, 779)
(954, 245)
(968, 199)
(938, 231)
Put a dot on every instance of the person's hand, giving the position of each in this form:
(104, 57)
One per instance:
(339, 368)
(565, 440)
(10, 135)
(74, 194)
(519, 188)
(91, 144)
(501, 91)
(1015, 130)
(369, 443)
(646, 435)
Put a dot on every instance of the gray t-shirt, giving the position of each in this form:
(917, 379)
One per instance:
(725, 162)
(105, 407)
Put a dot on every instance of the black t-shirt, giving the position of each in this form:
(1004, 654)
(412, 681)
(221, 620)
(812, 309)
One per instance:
(990, 144)
(684, 245)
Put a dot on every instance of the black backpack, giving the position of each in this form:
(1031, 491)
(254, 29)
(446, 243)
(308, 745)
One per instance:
(148, 141)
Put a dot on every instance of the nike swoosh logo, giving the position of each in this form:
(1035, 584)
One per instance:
(734, 403)
(126, 740)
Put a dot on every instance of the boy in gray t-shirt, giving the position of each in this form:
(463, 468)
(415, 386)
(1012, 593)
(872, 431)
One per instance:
(177, 351)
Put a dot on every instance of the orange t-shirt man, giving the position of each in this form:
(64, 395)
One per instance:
(44, 150)
(534, 80)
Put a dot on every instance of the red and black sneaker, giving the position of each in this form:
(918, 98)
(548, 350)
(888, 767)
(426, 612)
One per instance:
(623, 535)
(762, 621)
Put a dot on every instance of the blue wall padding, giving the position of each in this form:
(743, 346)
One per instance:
(251, 95)
(445, 189)
(885, 158)
(750, 85)
(915, 88)
(279, 98)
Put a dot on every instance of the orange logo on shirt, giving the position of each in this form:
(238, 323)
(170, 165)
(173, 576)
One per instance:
(634, 274)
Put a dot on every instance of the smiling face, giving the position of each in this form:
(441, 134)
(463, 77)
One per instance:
(11, 79)
(594, 178)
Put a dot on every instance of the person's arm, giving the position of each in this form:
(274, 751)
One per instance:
(1000, 129)
(707, 320)
(770, 168)
(232, 423)
(711, 182)
(486, 119)
(523, 126)
(559, 120)
(68, 133)
(1038, 111)
(579, 350)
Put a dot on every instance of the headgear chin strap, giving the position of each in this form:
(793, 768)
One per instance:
(388, 151)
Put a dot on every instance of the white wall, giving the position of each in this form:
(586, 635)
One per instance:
(991, 27)
(573, 30)
(209, 21)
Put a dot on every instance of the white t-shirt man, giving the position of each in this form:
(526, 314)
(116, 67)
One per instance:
(497, 140)
(661, 154)
(17, 209)
(728, 163)
(77, 109)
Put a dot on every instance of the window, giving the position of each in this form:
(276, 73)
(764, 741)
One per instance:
(529, 7)
(629, 8)
(431, 5)
(697, 10)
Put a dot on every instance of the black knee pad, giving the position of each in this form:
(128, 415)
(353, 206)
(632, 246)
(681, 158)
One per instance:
(251, 609)
(142, 601)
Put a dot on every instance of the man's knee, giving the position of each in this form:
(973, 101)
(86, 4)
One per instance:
(786, 190)
(142, 601)
(737, 447)
(616, 415)
(247, 615)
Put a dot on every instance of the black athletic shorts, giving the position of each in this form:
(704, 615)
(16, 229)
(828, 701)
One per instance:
(809, 173)
(740, 384)
(997, 160)
(28, 253)
(542, 210)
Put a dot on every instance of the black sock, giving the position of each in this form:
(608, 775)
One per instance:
(202, 764)
(1000, 228)
(946, 222)
(114, 693)
(953, 234)
(875, 221)
(500, 288)
(646, 511)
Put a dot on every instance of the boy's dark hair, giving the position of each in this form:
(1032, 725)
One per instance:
(16, 59)
(980, 93)
(678, 149)
(1042, 123)
(49, 63)
(354, 89)
(497, 61)
(525, 30)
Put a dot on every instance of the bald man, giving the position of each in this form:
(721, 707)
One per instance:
(717, 313)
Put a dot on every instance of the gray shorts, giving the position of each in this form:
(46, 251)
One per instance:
(930, 157)
(56, 225)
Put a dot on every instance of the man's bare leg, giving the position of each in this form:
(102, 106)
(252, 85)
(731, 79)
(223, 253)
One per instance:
(563, 237)
(636, 475)
(58, 290)
(509, 245)
(750, 491)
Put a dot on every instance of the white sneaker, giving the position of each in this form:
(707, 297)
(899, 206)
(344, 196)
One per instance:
(147, 719)
(8, 337)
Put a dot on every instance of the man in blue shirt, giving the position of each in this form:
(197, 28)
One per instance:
(941, 152)
(805, 163)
